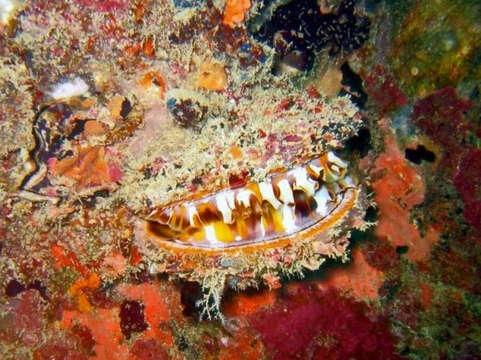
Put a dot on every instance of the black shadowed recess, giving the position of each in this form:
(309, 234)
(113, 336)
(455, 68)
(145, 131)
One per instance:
(132, 318)
(299, 27)
(419, 154)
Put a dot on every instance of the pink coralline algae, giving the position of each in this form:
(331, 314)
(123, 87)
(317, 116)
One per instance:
(104, 5)
(440, 115)
(468, 183)
(360, 280)
(25, 318)
(381, 86)
(312, 324)
(105, 329)
(399, 187)
(148, 350)
(380, 254)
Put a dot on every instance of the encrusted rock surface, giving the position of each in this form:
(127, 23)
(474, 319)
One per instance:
(110, 109)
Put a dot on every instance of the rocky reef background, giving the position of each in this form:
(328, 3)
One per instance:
(74, 284)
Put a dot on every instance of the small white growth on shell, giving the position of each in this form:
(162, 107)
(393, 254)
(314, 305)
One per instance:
(68, 89)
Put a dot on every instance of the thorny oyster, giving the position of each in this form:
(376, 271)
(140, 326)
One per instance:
(291, 221)
(263, 214)
(109, 143)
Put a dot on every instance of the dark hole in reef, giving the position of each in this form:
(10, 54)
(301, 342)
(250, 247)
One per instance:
(303, 28)
(402, 249)
(90, 201)
(147, 173)
(405, 351)
(474, 94)
(229, 292)
(27, 56)
(190, 293)
(187, 112)
(419, 154)
(54, 146)
(353, 86)
(371, 214)
(77, 129)
(132, 317)
(361, 142)
(14, 288)
(126, 108)
(182, 343)
(388, 290)
(358, 236)
(65, 154)
(197, 181)
(37, 285)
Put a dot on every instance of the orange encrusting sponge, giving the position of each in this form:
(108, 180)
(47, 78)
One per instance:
(234, 12)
